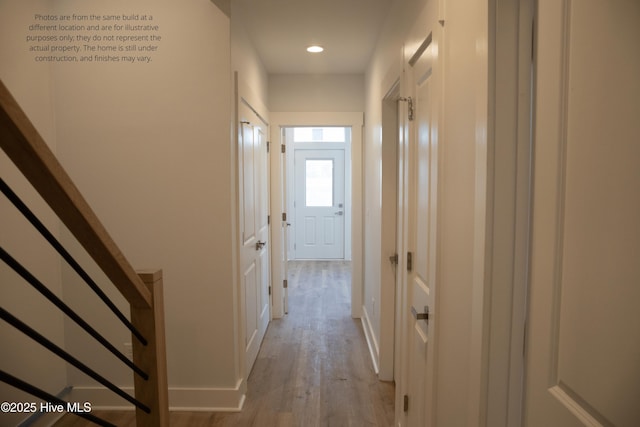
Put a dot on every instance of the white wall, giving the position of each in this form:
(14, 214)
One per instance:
(20, 356)
(149, 146)
(316, 92)
(246, 61)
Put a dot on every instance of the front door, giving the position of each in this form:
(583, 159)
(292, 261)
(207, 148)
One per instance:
(422, 181)
(254, 230)
(583, 338)
(319, 204)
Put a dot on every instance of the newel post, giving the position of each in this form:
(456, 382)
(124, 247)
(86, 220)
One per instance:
(151, 358)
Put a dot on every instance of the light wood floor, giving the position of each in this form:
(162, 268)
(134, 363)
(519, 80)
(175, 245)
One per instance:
(313, 369)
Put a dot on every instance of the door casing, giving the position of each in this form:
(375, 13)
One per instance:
(354, 120)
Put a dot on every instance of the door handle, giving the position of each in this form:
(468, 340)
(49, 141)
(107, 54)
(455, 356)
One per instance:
(339, 213)
(421, 316)
(260, 245)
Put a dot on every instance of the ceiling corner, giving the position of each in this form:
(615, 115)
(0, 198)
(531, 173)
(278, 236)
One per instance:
(224, 6)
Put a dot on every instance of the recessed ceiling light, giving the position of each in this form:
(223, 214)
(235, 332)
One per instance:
(315, 49)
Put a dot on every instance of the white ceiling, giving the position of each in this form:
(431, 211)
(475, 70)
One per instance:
(282, 29)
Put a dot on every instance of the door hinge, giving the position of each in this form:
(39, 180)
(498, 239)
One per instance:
(269, 290)
(268, 143)
(409, 261)
(409, 102)
(284, 216)
(394, 259)
(283, 148)
(405, 403)
(268, 219)
(285, 283)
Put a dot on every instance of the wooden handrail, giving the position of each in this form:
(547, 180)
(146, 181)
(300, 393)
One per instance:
(25, 147)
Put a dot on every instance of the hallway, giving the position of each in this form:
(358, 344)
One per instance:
(313, 368)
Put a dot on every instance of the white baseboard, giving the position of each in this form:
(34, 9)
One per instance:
(374, 350)
(180, 398)
(207, 399)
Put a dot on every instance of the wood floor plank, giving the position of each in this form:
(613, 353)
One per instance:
(313, 368)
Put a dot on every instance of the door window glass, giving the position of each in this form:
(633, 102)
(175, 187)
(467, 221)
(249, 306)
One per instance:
(319, 182)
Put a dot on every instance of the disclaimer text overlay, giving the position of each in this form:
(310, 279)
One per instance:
(126, 38)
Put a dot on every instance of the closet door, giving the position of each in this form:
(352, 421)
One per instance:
(583, 338)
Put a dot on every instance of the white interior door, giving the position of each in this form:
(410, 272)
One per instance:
(254, 224)
(319, 204)
(583, 341)
(422, 161)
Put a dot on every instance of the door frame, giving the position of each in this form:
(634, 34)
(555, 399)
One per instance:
(508, 203)
(355, 121)
(390, 229)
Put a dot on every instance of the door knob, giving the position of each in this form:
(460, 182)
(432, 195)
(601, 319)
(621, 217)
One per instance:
(421, 316)
(260, 245)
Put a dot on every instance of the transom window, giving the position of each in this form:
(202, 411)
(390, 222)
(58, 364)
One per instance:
(319, 134)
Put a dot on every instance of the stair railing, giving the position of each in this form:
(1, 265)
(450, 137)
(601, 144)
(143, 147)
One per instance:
(142, 290)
